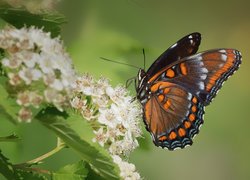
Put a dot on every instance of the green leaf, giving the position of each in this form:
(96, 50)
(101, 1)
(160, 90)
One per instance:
(10, 138)
(26, 174)
(90, 152)
(9, 171)
(20, 17)
(8, 106)
(6, 168)
(77, 171)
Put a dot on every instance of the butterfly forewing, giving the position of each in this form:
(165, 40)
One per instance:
(186, 46)
(202, 74)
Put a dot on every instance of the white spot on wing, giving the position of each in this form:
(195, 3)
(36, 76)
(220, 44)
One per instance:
(174, 45)
(144, 101)
(203, 76)
(201, 85)
(191, 41)
(190, 37)
(222, 51)
(223, 57)
(204, 70)
(189, 96)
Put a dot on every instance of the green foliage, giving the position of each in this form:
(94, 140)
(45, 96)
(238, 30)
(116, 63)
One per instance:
(10, 138)
(20, 18)
(98, 158)
(10, 172)
(28, 174)
(77, 171)
(8, 106)
(5, 167)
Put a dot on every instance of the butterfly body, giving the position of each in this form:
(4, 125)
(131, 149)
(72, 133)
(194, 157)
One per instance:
(178, 85)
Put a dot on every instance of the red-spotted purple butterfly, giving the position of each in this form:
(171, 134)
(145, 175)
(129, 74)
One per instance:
(177, 86)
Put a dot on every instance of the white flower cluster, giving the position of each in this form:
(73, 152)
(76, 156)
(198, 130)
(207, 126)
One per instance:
(115, 116)
(115, 111)
(128, 170)
(33, 6)
(38, 68)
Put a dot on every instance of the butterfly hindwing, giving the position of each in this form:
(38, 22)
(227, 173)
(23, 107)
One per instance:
(186, 46)
(172, 115)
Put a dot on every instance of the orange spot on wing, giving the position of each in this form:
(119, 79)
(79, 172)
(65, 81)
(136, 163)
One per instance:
(181, 132)
(183, 68)
(148, 110)
(194, 108)
(172, 135)
(191, 117)
(170, 73)
(166, 90)
(161, 97)
(167, 104)
(162, 138)
(155, 87)
(160, 85)
(187, 124)
(194, 100)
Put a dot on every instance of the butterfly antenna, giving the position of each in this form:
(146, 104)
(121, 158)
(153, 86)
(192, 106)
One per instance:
(144, 58)
(117, 62)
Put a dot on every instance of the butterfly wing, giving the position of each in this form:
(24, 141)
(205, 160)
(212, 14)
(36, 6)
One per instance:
(172, 115)
(179, 92)
(186, 46)
(202, 74)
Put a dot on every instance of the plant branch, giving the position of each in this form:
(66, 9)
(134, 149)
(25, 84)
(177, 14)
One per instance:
(39, 159)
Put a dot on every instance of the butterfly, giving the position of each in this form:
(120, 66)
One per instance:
(178, 85)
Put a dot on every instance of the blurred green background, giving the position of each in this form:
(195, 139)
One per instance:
(119, 29)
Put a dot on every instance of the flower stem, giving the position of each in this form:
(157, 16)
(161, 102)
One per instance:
(60, 146)
(46, 155)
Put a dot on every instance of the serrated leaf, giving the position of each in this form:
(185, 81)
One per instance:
(10, 138)
(20, 17)
(8, 106)
(77, 171)
(6, 168)
(23, 175)
(99, 159)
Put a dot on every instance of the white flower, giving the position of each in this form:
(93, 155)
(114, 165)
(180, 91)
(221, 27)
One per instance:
(12, 63)
(23, 98)
(101, 101)
(107, 117)
(100, 137)
(85, 84)
(27, 57)
(29, 75)
(14, 79)
(45, 63)
(88, 113)
(25, 115)
(117, 95)
(78, 103)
